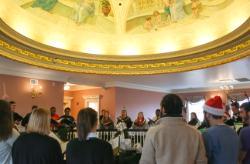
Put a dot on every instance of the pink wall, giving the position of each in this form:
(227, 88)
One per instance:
(114, 99)
(137, 101)
(18, 90)
(107, 99)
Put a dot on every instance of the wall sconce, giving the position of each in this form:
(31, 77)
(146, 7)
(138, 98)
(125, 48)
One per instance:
(36, 89)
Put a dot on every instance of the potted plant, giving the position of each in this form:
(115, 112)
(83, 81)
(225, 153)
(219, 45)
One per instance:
(106, 7)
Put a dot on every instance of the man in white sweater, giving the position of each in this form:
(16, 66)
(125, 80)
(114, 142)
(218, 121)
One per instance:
(172, 140)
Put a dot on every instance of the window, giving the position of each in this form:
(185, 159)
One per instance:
(196, 107)
(92, 102)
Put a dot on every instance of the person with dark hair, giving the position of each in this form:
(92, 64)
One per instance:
(106, 122)
(7, 134)
(102, 114)
(53, 114)
(157, 115)
(194, 120)
(17, 118)
(221, 142)
(36, 146)
(124, 118)
(67, 119)
(25, 120)
(172, 140)
(87, 148)
(236, 112)
(245, 134)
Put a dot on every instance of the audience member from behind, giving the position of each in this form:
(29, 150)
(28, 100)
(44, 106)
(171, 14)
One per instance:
(125, 118)
(7, 134)
(17, 118)
(36, 146)
(194, 120)
(221, 141)
(25, 120)
(140, 122)
(245, 134)
(172, 140)
(106, 122)
(88, 148)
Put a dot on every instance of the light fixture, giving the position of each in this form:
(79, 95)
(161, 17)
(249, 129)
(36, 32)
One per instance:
(36, 88)
(67, 86)
(226, 88)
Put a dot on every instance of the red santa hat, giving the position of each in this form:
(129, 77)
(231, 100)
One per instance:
(214, 106)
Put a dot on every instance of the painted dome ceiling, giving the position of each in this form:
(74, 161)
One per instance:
(126, 32)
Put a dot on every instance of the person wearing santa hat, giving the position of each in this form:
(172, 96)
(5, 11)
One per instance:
(221, 142)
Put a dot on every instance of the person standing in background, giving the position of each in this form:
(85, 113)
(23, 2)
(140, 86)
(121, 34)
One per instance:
(8, 135)
(221, 142)
(194, 120)
(106, 122)
(17, 118)
(140, 122)
(25, 120)
(172, 140)
(245, 134)
(125, 118)
(35, 146)
(87, 148)
(53, 113)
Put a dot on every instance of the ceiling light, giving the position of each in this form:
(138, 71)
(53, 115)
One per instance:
(129, 50)
(66, 87)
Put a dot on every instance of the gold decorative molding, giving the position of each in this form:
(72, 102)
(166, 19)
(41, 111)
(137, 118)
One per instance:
(233, 53)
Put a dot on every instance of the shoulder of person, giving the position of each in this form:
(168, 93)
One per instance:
(245, 130)
(101, 142)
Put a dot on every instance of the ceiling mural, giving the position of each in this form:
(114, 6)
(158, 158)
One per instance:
(94, 15)
(155, 15)
(124, 28)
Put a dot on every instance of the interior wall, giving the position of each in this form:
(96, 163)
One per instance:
(135, 101)
(107, 99)
(18, 89)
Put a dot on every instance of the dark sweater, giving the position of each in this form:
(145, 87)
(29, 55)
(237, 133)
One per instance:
(34, 148)
(92, 151)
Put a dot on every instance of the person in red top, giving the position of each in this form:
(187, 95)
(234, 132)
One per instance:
(54, 116)
(54, 119)
(140, 122)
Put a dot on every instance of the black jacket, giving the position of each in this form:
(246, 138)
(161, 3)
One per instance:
(34, 148)
(92, 151)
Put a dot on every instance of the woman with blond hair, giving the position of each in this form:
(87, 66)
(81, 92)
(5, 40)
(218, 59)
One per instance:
(35, 146)
(7, 134)
(88, 149)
